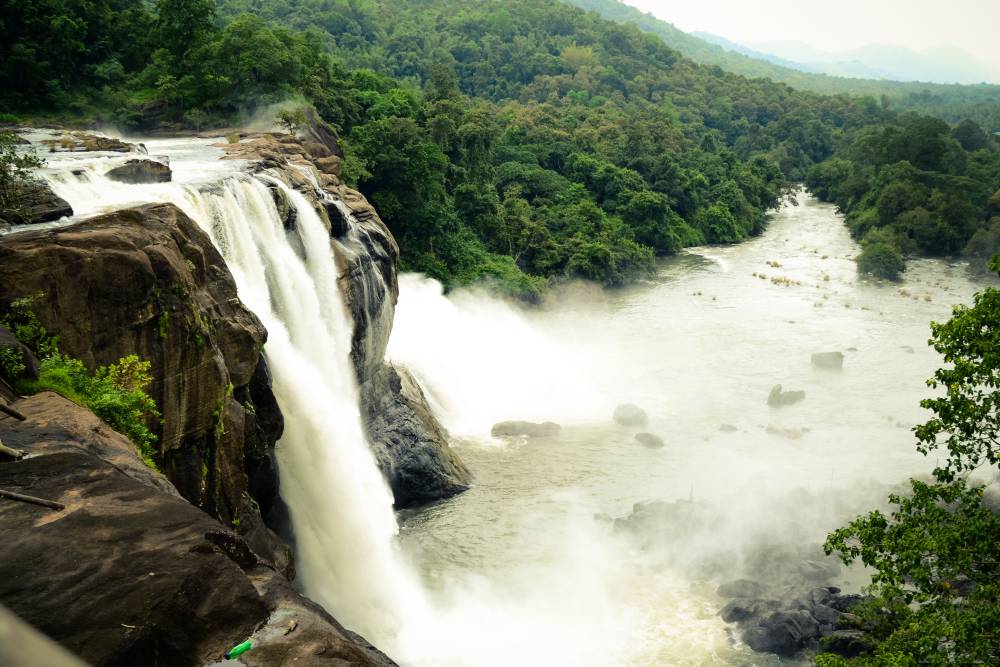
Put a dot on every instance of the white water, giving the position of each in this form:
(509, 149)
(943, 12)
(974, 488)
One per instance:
(517, 571)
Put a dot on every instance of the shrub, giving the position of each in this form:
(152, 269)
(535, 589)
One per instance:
(881, 260)
(115, 393)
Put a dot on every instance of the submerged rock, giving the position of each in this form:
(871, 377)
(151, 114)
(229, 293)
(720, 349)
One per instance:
(32, 202)
(828, 360)
(649, 440)
(785, 431)
(728, 428)
(141, 171)
(628, 414)
(779, 397)
(529, 429)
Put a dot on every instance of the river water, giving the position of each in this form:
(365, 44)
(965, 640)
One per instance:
(526, 568)
(698, 347)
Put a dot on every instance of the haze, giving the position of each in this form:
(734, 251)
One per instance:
(966, 25)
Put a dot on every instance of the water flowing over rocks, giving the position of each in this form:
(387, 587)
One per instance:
(410, 445)
(129, 572)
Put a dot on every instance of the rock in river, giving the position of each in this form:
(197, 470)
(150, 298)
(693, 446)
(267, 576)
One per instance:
(530, 429)
(628, 414)
(141, 171)
(650, 440)
(778, 397)
(828, 360)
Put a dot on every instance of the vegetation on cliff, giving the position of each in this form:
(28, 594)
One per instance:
(115, 393)
(936, 557)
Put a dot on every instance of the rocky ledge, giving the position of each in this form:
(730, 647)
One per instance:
(130, 573)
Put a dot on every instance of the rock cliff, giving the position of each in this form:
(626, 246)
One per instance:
(129, 572)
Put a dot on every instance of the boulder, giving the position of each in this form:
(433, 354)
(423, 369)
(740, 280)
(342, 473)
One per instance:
(728, 428)
(628, 414)
(747, 610)
(32, 202)
(779, 397)
(649, 440)
(522, 428)
(141, 171)
(148, 281)
(828, 360)
(77, 142)
(129, 572)
(409, 443)
(783, 632)
(20, 352)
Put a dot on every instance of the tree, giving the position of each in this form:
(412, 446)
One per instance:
(15, 168)
(292, 119)
(184, 24)
(936, 557)
(881, 260)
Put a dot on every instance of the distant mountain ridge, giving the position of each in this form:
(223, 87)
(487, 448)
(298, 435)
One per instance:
(951, 102)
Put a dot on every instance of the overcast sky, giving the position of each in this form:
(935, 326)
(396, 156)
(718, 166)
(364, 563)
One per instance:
(833, 25)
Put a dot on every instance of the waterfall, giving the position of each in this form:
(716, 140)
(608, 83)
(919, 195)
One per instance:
(564, 611)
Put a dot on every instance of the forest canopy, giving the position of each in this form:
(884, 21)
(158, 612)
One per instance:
(518, 142)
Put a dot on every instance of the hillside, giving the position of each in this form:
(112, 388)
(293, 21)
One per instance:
(950, 102)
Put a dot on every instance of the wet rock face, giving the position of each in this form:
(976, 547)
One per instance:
(141, 171)
(129, 573)
(32, 202)
(409, 443)
(147, 281)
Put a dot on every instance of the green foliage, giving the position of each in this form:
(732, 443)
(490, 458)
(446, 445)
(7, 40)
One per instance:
(20, 319)
(15, 167)
(292, 119)
(936, 556)
(11, 363)
(115, 393)
(881, 260)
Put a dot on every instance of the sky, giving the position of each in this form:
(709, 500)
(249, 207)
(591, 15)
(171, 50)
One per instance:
(835, 25)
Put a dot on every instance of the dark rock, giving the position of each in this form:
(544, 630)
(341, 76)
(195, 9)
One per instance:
(339, 222)
(649, 440)
(32, 202)
(130, 573)
(141, 171)
(27, 357)
(628, 414)
(728, 428)
(288, 213)
(848, 643)
(784, 633)
(778, 397)
(741, 588)
(148, 281)
(747, 610)
(825, 615)
(844, 603)
(828, 360)
(409, 443)
(77, 142)
(529, 429)
(317, 131)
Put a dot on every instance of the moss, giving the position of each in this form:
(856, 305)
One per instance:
(163, 325)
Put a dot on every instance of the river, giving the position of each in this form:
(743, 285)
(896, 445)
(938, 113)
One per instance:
(698, 347)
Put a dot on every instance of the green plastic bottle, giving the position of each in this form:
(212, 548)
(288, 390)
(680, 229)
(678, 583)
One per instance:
(239, 649)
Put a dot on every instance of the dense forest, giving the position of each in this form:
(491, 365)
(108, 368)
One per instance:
(515, 141)
(952, 103)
